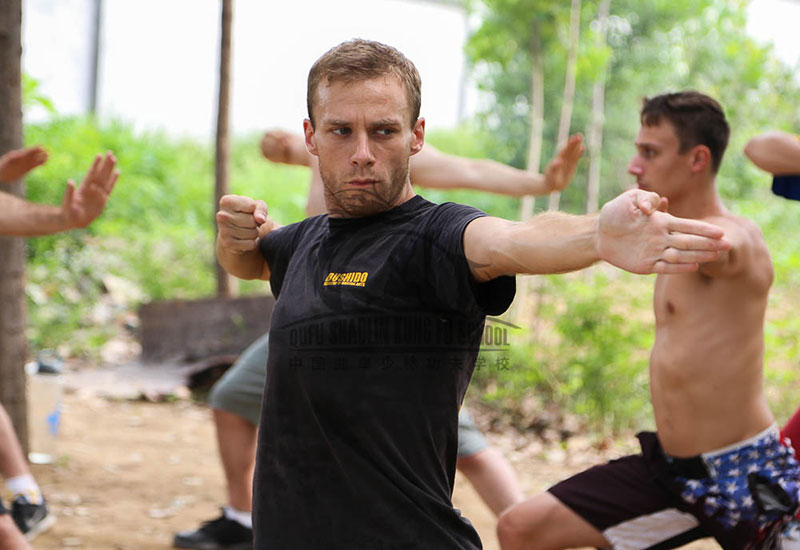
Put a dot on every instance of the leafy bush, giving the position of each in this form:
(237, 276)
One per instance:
(157, 231)
(584, 351)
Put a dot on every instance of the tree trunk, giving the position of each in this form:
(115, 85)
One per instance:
(97, 19)
(13, 345)
(537, 119)
(569, 87)
(598, 120)
(525, 285)
(222, 152)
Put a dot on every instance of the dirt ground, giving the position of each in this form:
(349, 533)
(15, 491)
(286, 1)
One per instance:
(130, 473)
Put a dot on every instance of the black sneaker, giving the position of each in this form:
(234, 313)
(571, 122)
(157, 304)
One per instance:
(31, 519)
(218, 534)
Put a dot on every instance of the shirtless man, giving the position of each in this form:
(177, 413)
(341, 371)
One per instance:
(716, 466)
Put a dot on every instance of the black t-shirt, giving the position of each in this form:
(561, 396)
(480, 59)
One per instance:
(373, 341)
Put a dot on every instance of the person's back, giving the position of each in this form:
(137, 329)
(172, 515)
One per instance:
(706, 362)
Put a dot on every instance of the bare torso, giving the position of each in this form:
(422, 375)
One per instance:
(706, 363)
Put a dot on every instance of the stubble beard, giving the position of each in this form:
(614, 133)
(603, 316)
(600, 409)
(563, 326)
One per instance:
(344, 202)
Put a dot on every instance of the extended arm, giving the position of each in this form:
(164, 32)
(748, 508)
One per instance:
(17, 163)
(432, 168)
(629, 233)
(242, 221)
(775, 152)
(435, 169)
(79, 207)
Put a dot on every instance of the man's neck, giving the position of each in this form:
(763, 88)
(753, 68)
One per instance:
(701, 203)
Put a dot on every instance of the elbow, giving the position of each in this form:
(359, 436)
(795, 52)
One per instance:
(750, 149)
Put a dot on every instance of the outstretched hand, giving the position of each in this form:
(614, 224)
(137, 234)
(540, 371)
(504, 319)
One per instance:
(83, 205)
(17, 163)
(560, 170)
(636, 234)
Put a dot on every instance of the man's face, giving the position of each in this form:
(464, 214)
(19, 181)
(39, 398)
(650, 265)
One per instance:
(658, 165)
(364, 141)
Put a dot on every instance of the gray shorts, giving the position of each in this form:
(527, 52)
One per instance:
(241, 388)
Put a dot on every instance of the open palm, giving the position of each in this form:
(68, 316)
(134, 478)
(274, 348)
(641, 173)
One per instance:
(83, 205)
(560, 170)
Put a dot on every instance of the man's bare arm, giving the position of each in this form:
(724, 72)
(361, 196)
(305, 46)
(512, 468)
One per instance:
(775, 152)
(80, 207)
(241, 222)
(733, 261)
(435, 169)
(629, 232)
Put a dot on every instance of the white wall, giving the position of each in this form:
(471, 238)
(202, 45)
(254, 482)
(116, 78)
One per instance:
(159, 61)
(776, 21)
(56, 42)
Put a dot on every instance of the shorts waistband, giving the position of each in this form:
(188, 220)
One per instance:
(771, 430)
(696, 467)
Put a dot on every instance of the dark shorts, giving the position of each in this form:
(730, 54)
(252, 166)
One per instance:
(241, 389)
(740, 495)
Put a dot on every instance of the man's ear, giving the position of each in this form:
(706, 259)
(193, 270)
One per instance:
(308, 130)
(700, 156)
(419, 136)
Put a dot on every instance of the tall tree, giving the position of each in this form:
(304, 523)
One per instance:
(223, 145)
(537, 117)
(13, 346)
(595, 137)
(569, 86)
(97, 20)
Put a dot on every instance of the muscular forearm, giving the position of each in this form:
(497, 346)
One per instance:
(775, 152)
(247, 265)
(548, 243)
(20, 218)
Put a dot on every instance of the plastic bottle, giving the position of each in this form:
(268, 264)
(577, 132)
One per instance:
(45, 397)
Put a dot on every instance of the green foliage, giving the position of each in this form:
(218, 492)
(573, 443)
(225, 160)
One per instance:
(652, 47)
(32, 97)
(158, 228)
(587, 352)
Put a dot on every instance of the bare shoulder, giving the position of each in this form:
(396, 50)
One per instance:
(748, 256)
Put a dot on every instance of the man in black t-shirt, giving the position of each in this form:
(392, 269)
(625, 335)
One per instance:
(380, 310)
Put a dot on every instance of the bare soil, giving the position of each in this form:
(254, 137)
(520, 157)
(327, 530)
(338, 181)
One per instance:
(130, 473)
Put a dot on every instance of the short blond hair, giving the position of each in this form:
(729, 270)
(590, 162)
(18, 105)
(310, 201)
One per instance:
(357, 60)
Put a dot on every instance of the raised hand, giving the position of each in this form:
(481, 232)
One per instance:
(17, 163)
(635, 234)
(275, 146)
(560, 170)
(83, 205)
(241, 222)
